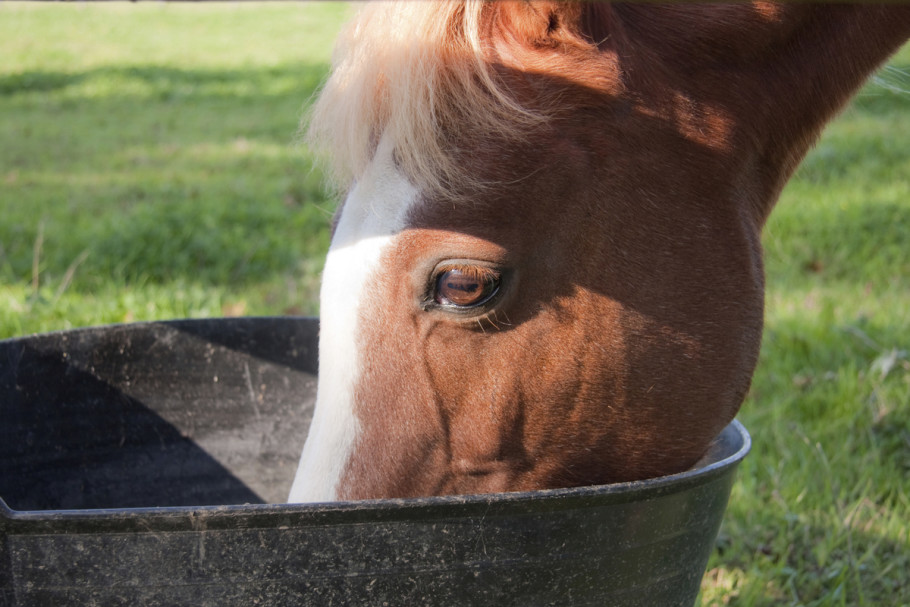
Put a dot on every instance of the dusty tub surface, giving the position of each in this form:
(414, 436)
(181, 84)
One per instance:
(137, 463)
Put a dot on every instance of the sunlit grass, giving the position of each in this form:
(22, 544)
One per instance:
(76, 37)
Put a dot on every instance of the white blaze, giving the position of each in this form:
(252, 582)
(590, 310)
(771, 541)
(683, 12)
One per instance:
(374, 212)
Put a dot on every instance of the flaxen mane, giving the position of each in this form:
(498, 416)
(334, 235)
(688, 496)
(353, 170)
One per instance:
(412, 71)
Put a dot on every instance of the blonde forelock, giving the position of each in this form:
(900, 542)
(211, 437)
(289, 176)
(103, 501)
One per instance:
(413, 70)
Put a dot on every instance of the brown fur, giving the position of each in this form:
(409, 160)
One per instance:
(629, 329)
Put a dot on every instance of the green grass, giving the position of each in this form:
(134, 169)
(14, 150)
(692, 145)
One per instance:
(820, 514)
(149, 169)
(148, 161)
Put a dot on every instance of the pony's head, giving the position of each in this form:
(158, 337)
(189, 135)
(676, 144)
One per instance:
(546, 271)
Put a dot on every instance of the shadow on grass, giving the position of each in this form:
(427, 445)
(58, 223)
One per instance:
(37, 82)
(160, 174)
(169, 82)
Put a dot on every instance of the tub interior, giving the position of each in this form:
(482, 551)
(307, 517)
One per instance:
(183, 413)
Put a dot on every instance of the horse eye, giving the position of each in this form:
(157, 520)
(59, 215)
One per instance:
(466, 286)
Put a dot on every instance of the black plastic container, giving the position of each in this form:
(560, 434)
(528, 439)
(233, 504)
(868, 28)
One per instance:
(137, 463)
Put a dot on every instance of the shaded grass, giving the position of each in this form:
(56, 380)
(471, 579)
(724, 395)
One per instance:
(148, 169)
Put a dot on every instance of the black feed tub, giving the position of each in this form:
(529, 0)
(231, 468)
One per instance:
(137, 464)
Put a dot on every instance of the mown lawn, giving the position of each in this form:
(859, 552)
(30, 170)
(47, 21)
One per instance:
(149, 163)
(149, 168)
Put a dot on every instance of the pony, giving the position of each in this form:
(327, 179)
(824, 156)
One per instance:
(546, 270)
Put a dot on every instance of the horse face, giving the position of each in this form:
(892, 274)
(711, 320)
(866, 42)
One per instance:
(595, 319)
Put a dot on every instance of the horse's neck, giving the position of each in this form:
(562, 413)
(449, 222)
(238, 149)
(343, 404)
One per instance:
(814, 56)
(814, 71)
(781, 71)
